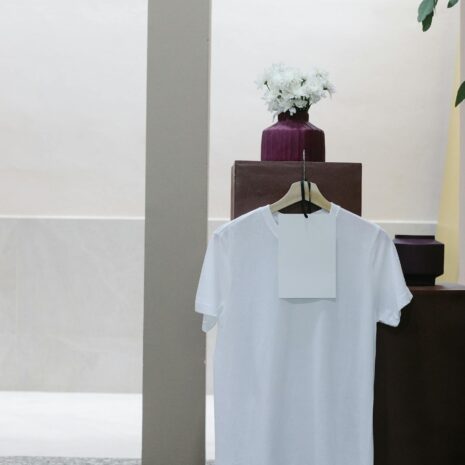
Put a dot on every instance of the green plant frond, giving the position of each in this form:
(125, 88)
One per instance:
(426, 24)
(425, 9)
(460, 94)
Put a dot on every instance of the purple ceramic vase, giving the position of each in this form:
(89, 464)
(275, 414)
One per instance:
(286, 139)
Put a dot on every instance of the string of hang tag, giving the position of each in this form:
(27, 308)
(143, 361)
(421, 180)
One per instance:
(302, 187)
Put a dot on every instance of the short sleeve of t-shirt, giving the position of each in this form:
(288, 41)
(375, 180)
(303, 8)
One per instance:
(391, 293)
(212, 286)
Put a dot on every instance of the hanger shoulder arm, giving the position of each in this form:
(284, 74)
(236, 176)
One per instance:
(293, 195)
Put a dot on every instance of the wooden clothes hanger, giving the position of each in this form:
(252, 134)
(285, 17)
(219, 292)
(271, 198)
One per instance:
(296, 194)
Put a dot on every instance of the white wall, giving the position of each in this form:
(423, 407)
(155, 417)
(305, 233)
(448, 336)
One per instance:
(390, 112)
(72, 172)
(71, 304)
(72, 112)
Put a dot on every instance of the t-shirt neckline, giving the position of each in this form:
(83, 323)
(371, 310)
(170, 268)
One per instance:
(270, 217)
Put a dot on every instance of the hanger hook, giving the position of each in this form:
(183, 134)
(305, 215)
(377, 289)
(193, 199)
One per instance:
(302, 188)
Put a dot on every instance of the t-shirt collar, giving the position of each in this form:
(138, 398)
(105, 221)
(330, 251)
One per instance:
(270, 218)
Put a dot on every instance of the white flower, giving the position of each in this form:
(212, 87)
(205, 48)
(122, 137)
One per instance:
(287, 89)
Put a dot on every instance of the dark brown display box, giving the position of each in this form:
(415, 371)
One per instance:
(258, 183)
(419, 408)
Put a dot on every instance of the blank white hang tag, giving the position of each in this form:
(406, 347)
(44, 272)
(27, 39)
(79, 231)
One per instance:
(307, 255)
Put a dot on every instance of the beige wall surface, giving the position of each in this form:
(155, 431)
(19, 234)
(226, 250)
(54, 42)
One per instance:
(72, 113)
(72, 174)
(391, 110)
(71, 302)
(72, 135)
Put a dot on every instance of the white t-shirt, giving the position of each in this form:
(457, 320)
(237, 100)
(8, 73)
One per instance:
(293, 378)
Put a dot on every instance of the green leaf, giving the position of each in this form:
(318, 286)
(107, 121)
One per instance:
(425, 9)
(460, 94)
(452, 3)
(427, 22)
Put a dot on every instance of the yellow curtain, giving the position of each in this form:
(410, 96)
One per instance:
(448, 218)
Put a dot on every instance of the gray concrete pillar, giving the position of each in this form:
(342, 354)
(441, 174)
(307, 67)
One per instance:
(176, 231)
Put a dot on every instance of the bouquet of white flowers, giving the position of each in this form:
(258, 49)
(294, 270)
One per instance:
(287, 89)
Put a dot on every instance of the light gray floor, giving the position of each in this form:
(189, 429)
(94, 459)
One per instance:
(57, 424)
(42, 427)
